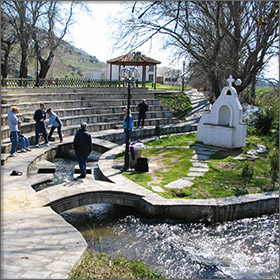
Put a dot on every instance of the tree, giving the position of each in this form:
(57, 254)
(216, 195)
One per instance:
(43, 23)
(219, 38)
(17, 11)
(8, 41)
(46, 34)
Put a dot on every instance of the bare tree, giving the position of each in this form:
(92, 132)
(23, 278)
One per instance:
(48, 30)
(18, 13)
(218, 37)
(43, 23)
(8, 41)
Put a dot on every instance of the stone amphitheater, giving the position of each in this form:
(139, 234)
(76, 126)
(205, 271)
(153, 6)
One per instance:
(37, 243)
(101, 108)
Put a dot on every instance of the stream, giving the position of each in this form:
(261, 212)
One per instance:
(242, 249)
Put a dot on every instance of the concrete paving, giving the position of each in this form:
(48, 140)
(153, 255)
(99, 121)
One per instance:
(36, 242)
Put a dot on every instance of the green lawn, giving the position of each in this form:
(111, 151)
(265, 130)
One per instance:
(165, 87)
(223, 179)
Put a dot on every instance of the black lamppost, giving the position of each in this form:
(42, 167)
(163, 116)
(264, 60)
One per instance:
(37, 64)
(183, 76)
(129, 75)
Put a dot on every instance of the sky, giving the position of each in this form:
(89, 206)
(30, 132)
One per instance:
(92, 33)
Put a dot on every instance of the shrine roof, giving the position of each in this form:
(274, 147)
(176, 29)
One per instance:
(133, 58)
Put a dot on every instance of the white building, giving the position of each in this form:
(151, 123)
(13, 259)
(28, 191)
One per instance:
(223, 126)
(101, 75)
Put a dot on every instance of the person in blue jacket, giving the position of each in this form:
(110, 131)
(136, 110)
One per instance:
(40, 127)
(125, 126)
(56, 123)
(83, 147)
(14, 124)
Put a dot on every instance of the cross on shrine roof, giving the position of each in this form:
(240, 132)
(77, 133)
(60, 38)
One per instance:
(230, 80)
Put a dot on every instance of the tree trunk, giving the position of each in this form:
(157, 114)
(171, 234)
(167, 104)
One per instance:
(215, 84)
(45, 65)
(23, 63)
(4, 65)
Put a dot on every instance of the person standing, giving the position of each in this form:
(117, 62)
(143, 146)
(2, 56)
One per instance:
(125, 126)
(83, 147)
(40, 117)
(143, 108)
(14, 124)
(56, 123)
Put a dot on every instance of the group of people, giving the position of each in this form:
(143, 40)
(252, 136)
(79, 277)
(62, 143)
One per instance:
(82, 139)
(40, 127)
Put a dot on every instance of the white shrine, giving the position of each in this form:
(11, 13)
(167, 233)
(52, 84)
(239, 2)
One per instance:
(222, 126)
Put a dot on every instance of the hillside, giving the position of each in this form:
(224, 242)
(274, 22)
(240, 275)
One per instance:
(72, 62)
(69, 61)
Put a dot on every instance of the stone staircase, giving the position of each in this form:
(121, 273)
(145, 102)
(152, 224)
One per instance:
(101, 108)
(200, 104)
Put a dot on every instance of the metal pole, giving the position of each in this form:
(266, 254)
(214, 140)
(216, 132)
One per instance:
(126, 158)
(183, 77)
(37, 76)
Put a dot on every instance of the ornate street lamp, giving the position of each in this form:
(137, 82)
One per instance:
(129, 75)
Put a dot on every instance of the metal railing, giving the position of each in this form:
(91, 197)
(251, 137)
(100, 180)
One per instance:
(63, 82)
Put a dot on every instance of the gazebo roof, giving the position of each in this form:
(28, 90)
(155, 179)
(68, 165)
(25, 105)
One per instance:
(133, 58)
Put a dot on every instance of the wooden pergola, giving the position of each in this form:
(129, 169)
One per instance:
(135, 59)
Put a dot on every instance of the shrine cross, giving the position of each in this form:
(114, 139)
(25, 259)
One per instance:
(230, 80)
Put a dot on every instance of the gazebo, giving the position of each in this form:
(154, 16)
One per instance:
(135, 59)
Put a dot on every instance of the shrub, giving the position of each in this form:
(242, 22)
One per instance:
(263, 121)
(247, 173)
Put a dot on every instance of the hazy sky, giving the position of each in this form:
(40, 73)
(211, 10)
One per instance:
(93, 35)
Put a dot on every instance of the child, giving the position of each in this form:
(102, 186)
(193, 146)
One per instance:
(24, 143)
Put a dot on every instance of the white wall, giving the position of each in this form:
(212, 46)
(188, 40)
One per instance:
(115, 72)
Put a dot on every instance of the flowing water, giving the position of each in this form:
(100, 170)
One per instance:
(243, 249)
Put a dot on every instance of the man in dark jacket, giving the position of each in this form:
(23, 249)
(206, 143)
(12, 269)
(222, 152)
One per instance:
(143, 108)
(82, 146)
(40, 117)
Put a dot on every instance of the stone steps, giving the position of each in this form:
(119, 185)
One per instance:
(65, 104)
(113, 120)
(71, 96)
(200, 104)
(29, 129)
(101, 108)
(93, 114)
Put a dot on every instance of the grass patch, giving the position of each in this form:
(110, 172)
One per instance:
(177, 103)
(101, 266)
(165, 87)
(226, 176)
